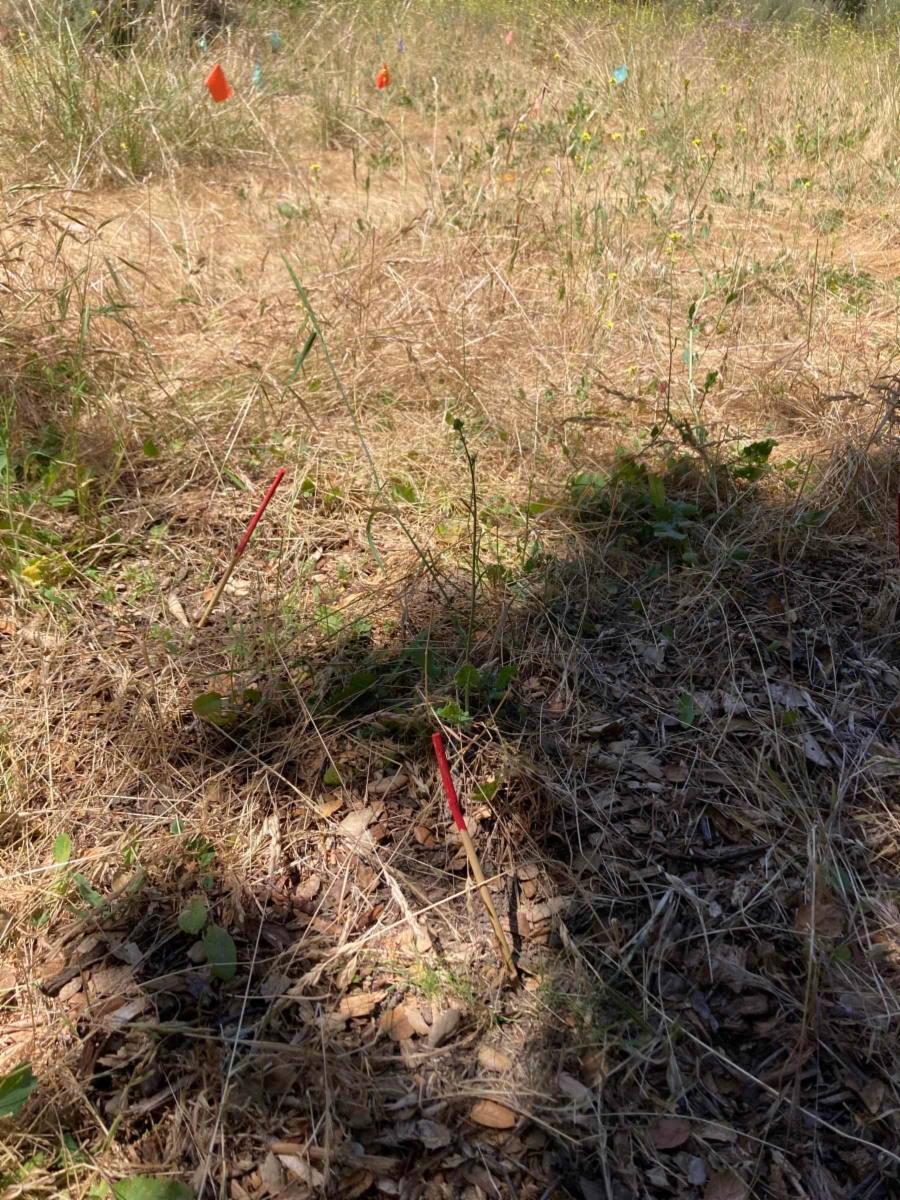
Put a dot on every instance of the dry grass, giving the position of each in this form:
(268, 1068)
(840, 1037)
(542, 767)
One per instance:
(679, 755)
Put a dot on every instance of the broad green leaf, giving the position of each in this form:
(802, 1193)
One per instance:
(193, 918)
(686, 709)
(141, 1187)
(332, 777)
(62, 849)
(758, 452)
(505, 676)
(208, 706)
(221, 952)
(485, 792)
(177, 826)
(358, 683)
(403, 491)
(15, 1088)
(535, 507)
(666, 529)
(739, 554)
(328, 621)
(86, 892)
(468, 679)
(151, 450)
(657, 491)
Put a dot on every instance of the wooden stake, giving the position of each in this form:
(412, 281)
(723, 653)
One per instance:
(242, 546)
(453, 802)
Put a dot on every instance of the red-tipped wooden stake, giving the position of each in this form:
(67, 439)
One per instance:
(453, 802)
(242, 546)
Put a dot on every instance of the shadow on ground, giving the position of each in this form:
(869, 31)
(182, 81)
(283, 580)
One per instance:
(679, 760)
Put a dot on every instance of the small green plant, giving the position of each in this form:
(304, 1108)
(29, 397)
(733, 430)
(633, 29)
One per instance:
(15, 1088)
(221, 952)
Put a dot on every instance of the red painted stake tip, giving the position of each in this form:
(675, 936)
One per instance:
(242, 544)
(447, 780)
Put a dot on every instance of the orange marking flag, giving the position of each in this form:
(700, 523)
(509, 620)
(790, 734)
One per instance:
(218, 85)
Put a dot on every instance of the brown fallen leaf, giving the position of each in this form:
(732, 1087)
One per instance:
(128, 1012)
(111, 981)
(355, 824)
(303, 1170)
(309, 889)
(393, 783)
(360, 1004)
(670, 1132)
(754, 1005)
(573, 1089)
(432, 1134)
(717, 1133)
(444, 1025)
(825, 920)
(482, 1178)
(595, 1068)
(271, 1174)
(415, 1018)
(676, 772)
(492, 1115)
(725, 1185)
(490, 1059)
(814, 751)
(729, 964)
(355, 1184)
(647, 762)
(397, 1025)
(872, 1095)
(176, 608)
(424, 836)
(328, 807)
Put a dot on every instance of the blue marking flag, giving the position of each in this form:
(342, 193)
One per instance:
(257, 77)
(401, 45)
(274, 41)
(620, 74)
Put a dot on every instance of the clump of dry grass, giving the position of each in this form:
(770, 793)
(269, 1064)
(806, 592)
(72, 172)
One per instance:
(672, 705)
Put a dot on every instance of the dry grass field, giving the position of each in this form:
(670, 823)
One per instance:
(579, 346)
